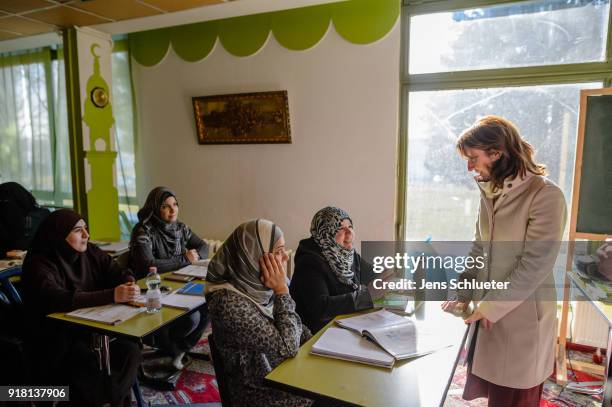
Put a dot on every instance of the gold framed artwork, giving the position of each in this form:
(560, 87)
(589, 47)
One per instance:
(243, 118)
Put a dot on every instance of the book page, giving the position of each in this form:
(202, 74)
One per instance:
(372, 320)
(181, 301)
(344, 344)
(192, 270)
(408, 340)
(111, 314)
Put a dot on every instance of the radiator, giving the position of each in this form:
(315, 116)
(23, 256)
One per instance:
(589, 327)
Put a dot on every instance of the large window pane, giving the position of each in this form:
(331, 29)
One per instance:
(521, 34)
(442, 199)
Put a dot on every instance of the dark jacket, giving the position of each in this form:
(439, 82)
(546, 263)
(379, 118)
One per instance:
(147, 249)
(318, 294)
(62, 354)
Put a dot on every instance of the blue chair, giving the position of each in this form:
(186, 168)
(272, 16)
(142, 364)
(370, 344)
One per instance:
(12, 345)
(7, 286)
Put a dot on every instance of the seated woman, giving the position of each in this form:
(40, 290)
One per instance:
(330, 278)
(160, 240)
(253, 317)
(20, 216)
(63, 272)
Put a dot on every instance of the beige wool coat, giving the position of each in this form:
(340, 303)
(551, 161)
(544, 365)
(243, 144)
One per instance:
(520, 236)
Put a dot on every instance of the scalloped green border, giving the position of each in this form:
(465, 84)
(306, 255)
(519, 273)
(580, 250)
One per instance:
(357, 21)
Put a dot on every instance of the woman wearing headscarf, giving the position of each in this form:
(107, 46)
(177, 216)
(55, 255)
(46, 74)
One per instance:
(330, 277)
(63, 272)
(255, 326)
(20, 216)
(160, 240)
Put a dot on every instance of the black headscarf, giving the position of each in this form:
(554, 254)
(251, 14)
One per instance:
(150, 215)
(52, 232)
(21, 197)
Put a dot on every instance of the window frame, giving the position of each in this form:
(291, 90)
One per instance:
(475, 79)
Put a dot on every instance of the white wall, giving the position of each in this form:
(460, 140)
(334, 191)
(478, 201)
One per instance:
(344, 104)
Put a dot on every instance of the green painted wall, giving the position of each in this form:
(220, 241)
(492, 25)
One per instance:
(357, 21)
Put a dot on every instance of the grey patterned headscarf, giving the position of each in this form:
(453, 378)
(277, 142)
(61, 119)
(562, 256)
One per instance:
(236, 264)
(325, 224)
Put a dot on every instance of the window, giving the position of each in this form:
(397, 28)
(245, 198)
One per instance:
(525, 61)
(34, 148)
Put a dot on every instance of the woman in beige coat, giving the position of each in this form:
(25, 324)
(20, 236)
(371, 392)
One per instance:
(519, 227)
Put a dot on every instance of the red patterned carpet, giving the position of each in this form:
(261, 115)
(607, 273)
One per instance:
(553, 395)
(196, 384)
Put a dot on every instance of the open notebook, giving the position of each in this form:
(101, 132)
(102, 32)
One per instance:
(111, 314)
(398, 337)
(193, 270)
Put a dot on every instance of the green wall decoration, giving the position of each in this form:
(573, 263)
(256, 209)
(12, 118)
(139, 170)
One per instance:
(357, 21)
(103, 197)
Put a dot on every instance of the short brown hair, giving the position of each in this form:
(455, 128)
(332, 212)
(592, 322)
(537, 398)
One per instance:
(494, 133)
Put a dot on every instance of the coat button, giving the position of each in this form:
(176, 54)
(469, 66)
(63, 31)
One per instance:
(509, 185)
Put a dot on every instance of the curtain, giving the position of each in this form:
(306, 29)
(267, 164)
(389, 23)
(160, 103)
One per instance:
(34, 142)
(27, 140)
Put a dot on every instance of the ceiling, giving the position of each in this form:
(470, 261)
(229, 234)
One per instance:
(22, 18)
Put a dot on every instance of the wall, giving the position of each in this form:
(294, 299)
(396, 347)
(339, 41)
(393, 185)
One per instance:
(344, 103)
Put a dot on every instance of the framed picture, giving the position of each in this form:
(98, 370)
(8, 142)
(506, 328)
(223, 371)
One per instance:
(261, 117)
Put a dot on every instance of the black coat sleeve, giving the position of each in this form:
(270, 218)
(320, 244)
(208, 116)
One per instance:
(195, 242)
(311, 287)
(47, 291)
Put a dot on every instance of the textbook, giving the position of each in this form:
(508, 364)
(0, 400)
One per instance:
(340, 343)
(111, 314)
(192, 289)
(400, 337)
(180, 301)
(192, 271)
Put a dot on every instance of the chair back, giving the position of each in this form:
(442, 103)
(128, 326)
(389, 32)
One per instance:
(290, 263)
(123, 260)
(15, 367)
(219, 373)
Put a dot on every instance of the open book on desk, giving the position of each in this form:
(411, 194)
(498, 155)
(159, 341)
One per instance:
(111, 314)
(342, 344)
(400, 337)
(182, 301)
(193, 271)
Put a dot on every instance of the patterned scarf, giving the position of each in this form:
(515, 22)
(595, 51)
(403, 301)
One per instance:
(325, 224)
(236, 265)
(149, 214)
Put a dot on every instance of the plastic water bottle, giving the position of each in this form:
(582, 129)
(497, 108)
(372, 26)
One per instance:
(154, 295)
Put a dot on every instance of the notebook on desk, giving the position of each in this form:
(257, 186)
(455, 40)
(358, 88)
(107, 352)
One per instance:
(400, 338)
(342, 344)
(192, 271)
(111, 314)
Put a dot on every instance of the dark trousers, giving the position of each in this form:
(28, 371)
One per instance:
(182, 334)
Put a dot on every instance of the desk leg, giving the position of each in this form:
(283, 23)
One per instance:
(607, 400)
(561, 348)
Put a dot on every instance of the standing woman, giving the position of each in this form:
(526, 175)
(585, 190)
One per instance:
(20, 216)
(519, 227)
(63, 272)
(255, 326)
(160, 240)
(330, 277)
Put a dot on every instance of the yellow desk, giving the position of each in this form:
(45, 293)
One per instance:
(421, 381)
(136, 327)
